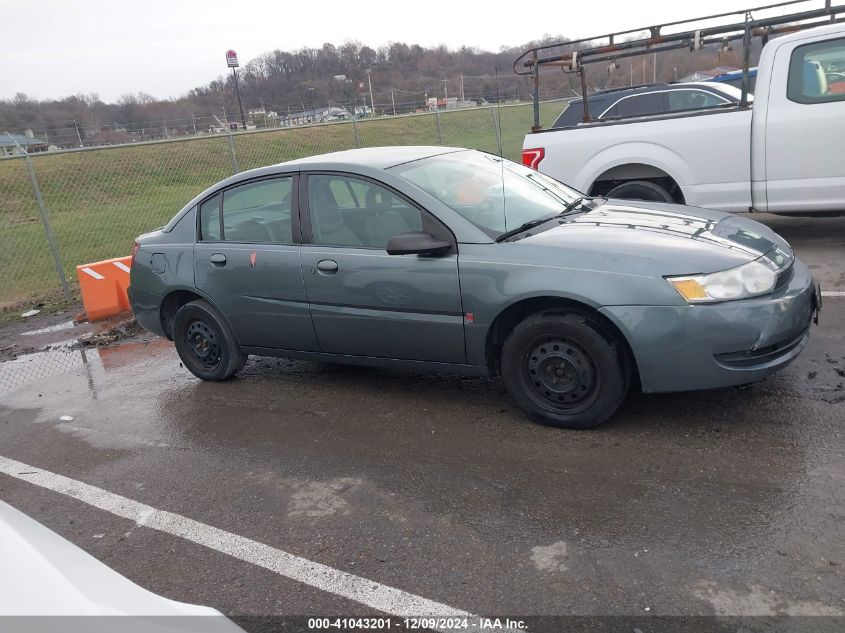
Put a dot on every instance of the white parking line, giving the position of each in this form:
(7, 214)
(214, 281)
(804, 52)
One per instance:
(833, 293)
(373, 594)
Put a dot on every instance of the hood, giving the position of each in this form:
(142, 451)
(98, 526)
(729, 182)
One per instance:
(658, 239)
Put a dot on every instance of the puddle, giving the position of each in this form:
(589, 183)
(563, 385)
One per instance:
(94, 352)
(30, 368)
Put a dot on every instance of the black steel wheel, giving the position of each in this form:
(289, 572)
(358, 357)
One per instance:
(565, 370)
(560, 373)
(205, 343)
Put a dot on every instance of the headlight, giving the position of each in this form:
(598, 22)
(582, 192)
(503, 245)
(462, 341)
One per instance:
(749, 280)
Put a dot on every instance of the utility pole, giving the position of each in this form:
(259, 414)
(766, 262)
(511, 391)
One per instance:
(393, 101)
(370, 83)
(446, 89)
(78, 136)
(462, 87)
(194, 123)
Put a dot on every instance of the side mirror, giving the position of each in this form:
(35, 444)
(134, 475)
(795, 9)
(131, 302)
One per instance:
(417, 243)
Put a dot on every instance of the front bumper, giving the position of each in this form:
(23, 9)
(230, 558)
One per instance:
(691, 347)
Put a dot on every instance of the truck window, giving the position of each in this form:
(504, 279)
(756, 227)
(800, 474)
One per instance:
(817, 72)
(680, 100)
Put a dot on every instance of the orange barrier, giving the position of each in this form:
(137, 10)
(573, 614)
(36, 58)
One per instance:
(103, 286)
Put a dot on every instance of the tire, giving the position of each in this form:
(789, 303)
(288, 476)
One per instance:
(641, 190)
(205, 343)
(564, 370)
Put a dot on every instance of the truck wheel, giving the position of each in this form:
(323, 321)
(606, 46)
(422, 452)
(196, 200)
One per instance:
(562, 370)
(205, 343)
(640, 190)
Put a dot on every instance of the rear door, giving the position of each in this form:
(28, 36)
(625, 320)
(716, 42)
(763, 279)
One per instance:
(805, 127)
(247, 260)
(363, 301)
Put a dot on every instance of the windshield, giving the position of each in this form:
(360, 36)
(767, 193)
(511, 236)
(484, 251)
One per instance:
(495, 194)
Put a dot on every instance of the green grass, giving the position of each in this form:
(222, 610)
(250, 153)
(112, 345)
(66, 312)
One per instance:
(99, 200)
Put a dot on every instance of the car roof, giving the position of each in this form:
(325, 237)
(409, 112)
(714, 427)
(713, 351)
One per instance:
(604, 99)
(376, 157)
(354, 160)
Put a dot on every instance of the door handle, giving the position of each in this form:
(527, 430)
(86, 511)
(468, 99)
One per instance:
(218, 259)
(327, 267)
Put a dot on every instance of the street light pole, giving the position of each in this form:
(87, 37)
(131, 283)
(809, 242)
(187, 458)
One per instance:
(372, 103)
(232, 62)
(238, 92)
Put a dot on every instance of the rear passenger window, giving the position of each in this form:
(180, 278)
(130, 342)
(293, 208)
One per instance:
(259, 212)
(613, 112)
(641, 105)
(210, 219)
(817, 72)
(680, 100)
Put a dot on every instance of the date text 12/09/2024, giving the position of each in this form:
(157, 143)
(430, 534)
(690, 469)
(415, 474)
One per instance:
(421, 623)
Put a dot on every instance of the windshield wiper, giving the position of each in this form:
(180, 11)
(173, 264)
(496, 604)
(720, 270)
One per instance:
(533, 223)
(525, 227)
(572, 205)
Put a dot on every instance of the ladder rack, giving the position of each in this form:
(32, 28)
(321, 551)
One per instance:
(613, 46)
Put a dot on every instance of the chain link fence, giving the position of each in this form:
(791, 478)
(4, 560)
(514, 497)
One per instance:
(62, 209)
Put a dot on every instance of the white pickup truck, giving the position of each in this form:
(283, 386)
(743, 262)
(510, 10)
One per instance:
(783, 154)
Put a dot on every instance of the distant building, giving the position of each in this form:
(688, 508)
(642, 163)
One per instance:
(29, 143)
(318, 115)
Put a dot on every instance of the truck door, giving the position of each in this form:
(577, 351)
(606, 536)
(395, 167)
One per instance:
(805, 126)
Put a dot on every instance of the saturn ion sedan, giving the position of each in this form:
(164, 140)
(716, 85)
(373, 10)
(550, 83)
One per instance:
(455, 260)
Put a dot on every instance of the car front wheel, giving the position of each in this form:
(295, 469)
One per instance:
(205, 343)
(565, 370)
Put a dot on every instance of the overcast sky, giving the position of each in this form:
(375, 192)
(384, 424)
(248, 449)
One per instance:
(55, 48)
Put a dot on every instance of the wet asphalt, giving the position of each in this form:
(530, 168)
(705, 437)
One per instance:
(717, 502)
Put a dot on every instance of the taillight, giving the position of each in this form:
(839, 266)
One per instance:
(532, 157)
(135, 248)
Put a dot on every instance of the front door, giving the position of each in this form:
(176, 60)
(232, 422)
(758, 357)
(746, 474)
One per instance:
(365, 302)
(246, 260)
(805, 134)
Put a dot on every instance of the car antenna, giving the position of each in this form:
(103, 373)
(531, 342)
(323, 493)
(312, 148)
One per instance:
(497, 122)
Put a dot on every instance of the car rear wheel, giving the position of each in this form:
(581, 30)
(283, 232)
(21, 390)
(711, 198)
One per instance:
(205, 343)
(641, 190)
(564, 370)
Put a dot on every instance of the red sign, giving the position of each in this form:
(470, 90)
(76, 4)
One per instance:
(231, 59)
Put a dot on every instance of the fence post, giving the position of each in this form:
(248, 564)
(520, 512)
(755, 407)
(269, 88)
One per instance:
(439, 127)
(232, 153)
(235, 168)
(497, 126)
(48, 229)
(355, 131)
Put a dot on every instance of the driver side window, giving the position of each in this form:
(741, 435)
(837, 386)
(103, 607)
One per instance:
(351, 212)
